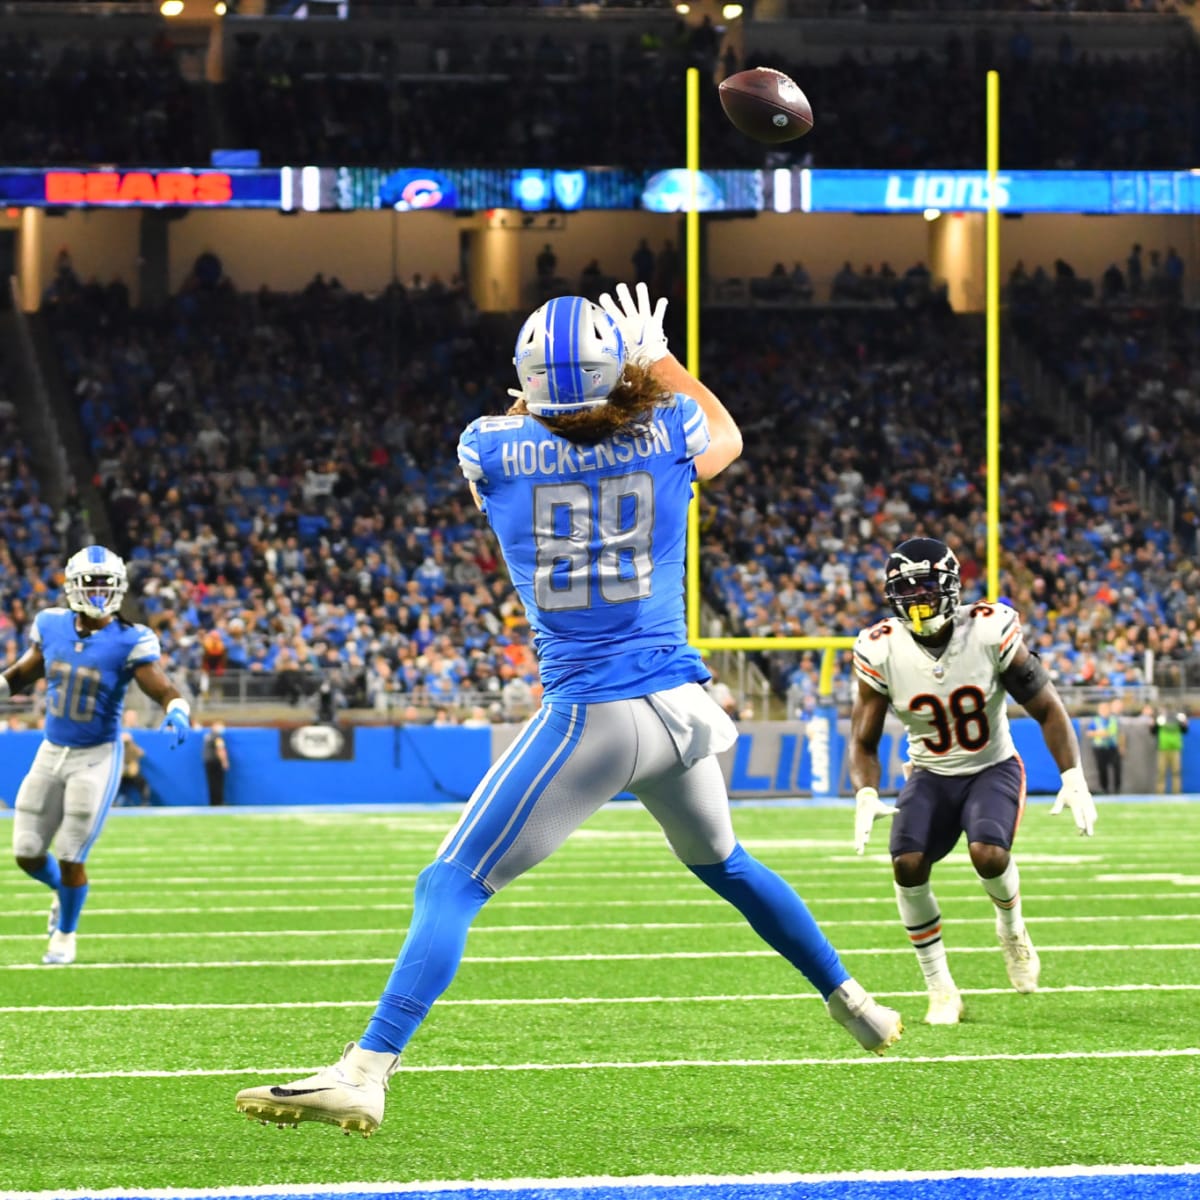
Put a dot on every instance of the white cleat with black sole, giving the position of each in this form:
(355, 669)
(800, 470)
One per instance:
(350, 1094)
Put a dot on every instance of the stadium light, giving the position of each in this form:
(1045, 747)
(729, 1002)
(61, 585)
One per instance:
(731, 12)
(932, 214)
(683, 9)
(171, 8)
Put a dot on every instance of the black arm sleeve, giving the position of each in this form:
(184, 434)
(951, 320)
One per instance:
(1024, 682)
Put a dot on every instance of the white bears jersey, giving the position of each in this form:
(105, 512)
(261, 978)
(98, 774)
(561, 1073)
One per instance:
(954, 708)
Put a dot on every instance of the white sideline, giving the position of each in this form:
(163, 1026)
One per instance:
(643, 1065)
(502, 959)
(569, 1001)
(766, 1179)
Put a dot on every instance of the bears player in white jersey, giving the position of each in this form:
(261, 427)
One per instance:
(87, 654)
(946, 671)
(587, 482)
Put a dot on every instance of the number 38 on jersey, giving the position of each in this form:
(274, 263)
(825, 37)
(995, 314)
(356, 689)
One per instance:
(953, 705)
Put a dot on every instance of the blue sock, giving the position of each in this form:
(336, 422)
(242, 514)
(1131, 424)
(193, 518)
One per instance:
(447, 900)
(70, 902)
(48, 873)
(778, 915)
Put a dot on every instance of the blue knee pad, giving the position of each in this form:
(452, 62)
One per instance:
(778, 915)
(445, 903)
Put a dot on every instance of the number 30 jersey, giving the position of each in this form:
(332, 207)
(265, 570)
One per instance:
(87, 677)
(594, 536)
(954, 708)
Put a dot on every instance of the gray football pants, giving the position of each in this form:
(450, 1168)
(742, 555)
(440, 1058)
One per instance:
(567, 762)
(65, 798)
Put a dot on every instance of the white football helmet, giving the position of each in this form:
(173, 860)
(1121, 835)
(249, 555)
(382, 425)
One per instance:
(570, 356)
(96, 582)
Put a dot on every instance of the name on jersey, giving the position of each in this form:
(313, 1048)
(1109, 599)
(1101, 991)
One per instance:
(560, 457)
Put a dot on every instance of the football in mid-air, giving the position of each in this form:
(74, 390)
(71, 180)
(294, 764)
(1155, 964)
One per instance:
(766, 105)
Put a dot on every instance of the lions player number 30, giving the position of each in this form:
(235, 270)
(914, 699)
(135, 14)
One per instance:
(76, 692)
(564, 516)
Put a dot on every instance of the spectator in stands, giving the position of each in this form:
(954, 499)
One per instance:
(643, 263)
(547, 265)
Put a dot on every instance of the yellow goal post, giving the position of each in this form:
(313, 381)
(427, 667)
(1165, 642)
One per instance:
(828, 646)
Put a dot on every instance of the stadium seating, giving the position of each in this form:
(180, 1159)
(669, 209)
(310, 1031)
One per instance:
(294, 511)
(555, 100)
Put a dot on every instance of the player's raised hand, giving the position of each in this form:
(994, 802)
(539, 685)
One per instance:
(177, 722)
(1077, 796)
(868, 808)
(640, 325)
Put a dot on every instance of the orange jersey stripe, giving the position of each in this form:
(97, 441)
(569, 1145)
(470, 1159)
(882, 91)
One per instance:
(862, 666)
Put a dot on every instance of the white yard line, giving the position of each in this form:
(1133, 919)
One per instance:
(612, 926)
(644, 1065)
(702, 899)
(570, 1001)
(823, 880)
(503, 959)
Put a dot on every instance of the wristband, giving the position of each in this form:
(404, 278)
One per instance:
(179, 704)
(866, 793)
(5, 688)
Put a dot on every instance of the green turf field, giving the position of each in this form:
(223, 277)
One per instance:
(612, 1018)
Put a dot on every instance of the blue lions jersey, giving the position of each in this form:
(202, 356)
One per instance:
(594, 541)
(87, 677)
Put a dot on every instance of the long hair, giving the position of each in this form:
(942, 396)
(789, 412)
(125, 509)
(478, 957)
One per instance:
(628, 410)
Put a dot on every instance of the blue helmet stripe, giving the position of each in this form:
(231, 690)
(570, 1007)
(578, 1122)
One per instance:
(573, 357)
(564, 351)
(96, 554)
(553, 320)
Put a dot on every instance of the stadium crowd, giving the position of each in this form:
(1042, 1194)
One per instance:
(100, 100)
(557, 101)
(287, 489)
(1135, 367)
(293, 511)
(884, 413)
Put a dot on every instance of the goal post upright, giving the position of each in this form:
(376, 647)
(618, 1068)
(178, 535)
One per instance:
(992, 320)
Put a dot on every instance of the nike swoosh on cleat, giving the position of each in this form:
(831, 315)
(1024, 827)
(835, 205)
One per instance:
(285, 1093)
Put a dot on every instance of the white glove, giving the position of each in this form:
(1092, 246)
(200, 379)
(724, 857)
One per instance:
(641, 327)
(868, 808)
(1076, 795)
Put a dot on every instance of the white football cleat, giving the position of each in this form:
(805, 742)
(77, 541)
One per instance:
(52, 919)
(349, 1094)
(1020, 960)
(945, 1006)
(874, 1027)
(60, 951)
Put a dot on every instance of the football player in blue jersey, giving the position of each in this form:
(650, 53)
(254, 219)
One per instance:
(586, 482)
(87, 654)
